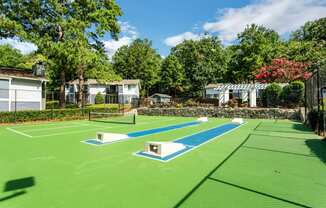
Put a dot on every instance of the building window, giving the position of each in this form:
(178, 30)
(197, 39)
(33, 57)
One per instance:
(130, 87)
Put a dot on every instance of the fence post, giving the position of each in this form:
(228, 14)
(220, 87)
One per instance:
(318, 100)
(305, 101)
(15, 114)
(52, 108)
(322, 113)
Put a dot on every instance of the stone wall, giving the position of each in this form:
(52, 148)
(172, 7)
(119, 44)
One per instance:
(260, 113)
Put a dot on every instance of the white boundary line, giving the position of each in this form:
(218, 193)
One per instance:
(70, 132)
(56, 127)
(107, 143)
(194, 147)
(18, 132)
(25, 126)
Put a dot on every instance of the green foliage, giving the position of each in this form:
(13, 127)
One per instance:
(315, 119)
(108, 106)
(311, 31)
(99, 98)
(257, 47)
(10, 56)
(311, 38)
(138, 61)
(48, 22)
(68, 33)
(271, 95)
(203, 62)
(292, 94)
(31, 59)
(52, 104)
(303, 51)
(172, 76)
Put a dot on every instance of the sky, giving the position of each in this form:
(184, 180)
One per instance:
(169, 22)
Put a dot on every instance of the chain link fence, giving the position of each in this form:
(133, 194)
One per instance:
(315, 97)
(17, 105)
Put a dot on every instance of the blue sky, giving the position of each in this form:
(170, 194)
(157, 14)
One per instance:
(159, 19)
(168, 22)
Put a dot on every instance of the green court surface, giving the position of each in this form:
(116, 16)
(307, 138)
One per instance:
(264, 163)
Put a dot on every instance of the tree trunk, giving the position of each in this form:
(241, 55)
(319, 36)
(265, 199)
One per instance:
(62, 89)
(81, 93)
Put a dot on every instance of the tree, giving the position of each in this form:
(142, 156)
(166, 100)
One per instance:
(32, 59)
(172, 75)
(138, 61)
(311, 31)
(257, 46)
(89, 63)
(10, 56)
(203, 62)
(303, 51)
(54, 26)
(313, 35)
(283, 70)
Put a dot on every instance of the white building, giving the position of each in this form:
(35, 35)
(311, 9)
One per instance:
(160, 98)
(124, 91)
(246, 92)
(21, 90)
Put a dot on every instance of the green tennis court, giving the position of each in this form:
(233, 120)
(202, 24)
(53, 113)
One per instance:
(263, 163)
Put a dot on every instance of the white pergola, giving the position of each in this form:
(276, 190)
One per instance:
(223, 91)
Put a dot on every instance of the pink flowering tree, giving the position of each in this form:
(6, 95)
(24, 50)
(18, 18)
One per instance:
(283, 70)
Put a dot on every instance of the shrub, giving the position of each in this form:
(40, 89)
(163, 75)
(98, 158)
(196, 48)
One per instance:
(271, 95)
(191, 103)
(99, 98)
(209, 101)
(232, 103)
(292, 95)
(314, 118)
(52, 104)
(54, 114)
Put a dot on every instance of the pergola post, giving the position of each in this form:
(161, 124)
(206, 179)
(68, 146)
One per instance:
(244, 95)
(224, 96)
(252, 98)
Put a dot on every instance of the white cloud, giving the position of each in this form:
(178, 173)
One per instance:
(111, 46)
(128, 35)
(283, 16)
(175, 40)
(24, 47)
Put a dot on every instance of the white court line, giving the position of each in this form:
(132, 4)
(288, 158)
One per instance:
(70, 132)
(18, 132)
(23, 127)
(57, 127)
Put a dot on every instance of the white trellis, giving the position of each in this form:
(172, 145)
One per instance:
(247, 92)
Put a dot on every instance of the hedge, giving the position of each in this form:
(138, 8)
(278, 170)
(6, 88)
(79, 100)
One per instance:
(55, 114)
(292, 95)
(271, 94)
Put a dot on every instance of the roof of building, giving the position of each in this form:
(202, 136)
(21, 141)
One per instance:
(257, 86)
(161, 95)
(9, 72)
(122, 82)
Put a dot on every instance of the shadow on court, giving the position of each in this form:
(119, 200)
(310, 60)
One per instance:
(17, 187)
(301, 127)
(318, 147)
